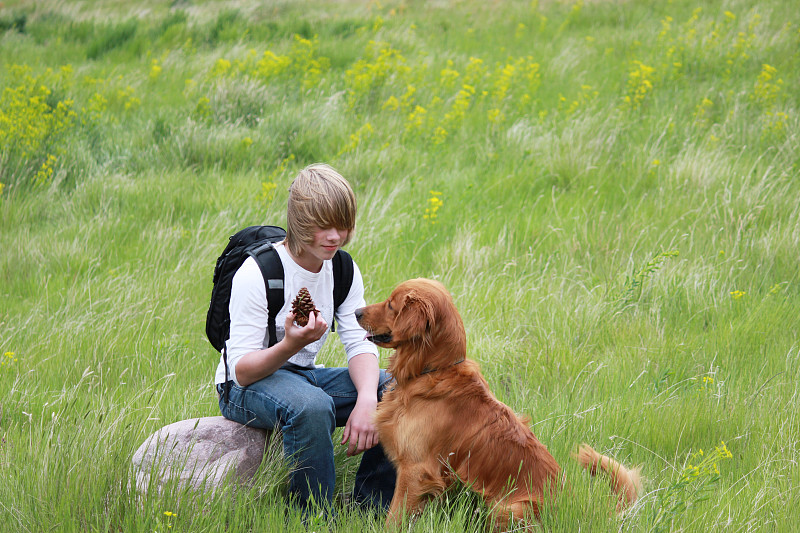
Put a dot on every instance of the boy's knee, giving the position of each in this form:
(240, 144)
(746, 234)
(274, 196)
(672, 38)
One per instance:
(317, 409)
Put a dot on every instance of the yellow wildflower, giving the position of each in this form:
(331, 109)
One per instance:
(155, 70)
(701, 113)
(496, 116)
(640, 84)
(439, 135)
(774, 124)
(220, 68)
(362, 134)
(475, 71)
(203, 107)
(270, 65)
(448, 76)
(416, 118)
(459, 107)
(267, 191)
(408, 97)
(767, 89)
(503, 83)
(305, 61)
(269, 186)
(434, 204)
(368, 73)
(46, 171)
(7, 359)
(724, 452)
(27, 119)
(391, 103)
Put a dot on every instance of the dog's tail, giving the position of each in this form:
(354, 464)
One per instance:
(626, 483)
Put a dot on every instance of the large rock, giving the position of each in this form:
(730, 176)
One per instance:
(200, 453)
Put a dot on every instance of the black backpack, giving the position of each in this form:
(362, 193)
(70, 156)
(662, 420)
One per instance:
(257, 242)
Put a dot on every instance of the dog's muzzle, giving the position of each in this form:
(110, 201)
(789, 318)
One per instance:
(384, 338)
(377, 339)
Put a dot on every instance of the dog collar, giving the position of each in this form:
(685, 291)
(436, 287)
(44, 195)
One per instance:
(429, 370)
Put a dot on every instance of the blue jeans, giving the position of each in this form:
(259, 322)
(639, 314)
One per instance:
(307, 405)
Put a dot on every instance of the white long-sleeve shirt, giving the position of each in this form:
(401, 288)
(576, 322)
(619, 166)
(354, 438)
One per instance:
(249, 312)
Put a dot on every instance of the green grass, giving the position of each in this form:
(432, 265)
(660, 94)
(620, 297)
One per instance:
(609, 189)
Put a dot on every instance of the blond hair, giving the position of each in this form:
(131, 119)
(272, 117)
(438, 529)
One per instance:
(319, 197)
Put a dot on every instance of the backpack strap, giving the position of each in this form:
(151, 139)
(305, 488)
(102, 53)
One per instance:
(342, 280)
(266, 257)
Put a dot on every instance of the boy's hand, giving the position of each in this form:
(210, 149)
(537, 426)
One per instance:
(360, 429)
(298, 337)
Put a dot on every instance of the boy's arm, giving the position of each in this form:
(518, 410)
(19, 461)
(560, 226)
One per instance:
(360, 429)
(259, 364)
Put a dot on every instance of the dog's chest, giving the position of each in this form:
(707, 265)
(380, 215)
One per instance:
(403, 426)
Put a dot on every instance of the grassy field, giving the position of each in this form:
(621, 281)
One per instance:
(610, 190)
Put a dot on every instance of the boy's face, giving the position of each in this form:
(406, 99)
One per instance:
(325, 243)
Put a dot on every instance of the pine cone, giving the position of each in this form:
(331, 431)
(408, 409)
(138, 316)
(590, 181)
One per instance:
(302, 307)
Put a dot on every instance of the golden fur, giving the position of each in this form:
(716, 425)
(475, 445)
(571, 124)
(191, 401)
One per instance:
(440, 422)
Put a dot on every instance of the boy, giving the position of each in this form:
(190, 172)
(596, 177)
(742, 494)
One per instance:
(280, 386)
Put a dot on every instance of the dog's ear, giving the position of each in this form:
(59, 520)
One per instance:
(415, 318)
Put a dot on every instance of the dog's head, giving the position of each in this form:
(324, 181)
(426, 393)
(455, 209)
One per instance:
(419, 320)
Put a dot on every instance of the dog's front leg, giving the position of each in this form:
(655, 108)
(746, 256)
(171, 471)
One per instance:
(415, 485)
(405, 499)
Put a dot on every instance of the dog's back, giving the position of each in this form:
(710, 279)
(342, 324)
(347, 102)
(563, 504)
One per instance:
(503, 459)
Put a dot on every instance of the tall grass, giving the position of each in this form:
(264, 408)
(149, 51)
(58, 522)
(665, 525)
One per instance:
(609, 190)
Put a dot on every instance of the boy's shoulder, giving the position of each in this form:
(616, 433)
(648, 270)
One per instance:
(248, 272)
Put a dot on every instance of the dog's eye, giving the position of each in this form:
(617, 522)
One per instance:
(389, 305)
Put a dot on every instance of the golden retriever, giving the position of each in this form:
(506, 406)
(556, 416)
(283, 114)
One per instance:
(441, 423)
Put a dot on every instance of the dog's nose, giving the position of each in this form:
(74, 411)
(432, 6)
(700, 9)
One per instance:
(359, 313)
